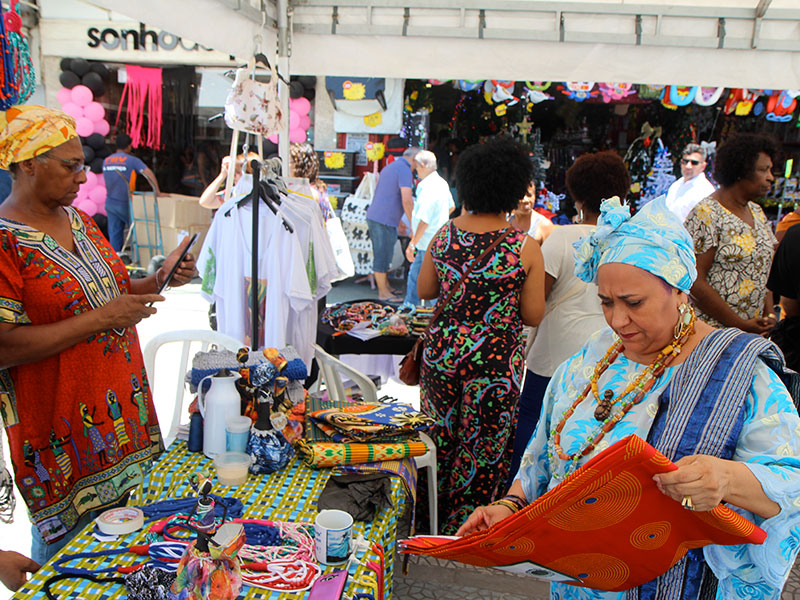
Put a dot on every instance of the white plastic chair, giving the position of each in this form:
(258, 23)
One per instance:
(187, 337)
(332, 371)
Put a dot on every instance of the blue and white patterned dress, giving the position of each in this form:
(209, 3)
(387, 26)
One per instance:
(769, 445)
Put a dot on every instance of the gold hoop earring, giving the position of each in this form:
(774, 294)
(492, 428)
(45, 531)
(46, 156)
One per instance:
(686, 316)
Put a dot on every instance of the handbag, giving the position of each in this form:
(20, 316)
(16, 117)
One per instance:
(253, 106)
(410, 365)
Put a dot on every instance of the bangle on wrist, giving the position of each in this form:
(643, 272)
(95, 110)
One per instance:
(507, 504)
(158, 283)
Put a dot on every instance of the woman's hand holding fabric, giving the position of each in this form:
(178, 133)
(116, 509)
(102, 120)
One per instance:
(704, 478)
(484, 517)
(128, 309)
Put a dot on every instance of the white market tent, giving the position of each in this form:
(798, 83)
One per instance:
(732, 43)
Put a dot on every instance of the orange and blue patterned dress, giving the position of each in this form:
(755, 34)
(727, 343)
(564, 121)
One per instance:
(472, 368)
(74, 420)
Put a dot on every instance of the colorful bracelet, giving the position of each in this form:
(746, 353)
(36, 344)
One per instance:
(507, 503)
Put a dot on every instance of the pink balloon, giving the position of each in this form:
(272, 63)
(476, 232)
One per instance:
(305, 122)
(101, 209)
(102, 127)
(273, 138)
(64, 95)
(84, 127)
(73, 110)
(91, 179)
(294, 120)
(98, 195)
(89, 207)
(81, 95)
(297, 136)
(94, 111)
(301, 105)
(89, 186)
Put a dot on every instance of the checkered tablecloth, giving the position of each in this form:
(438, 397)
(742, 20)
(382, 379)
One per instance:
(288, 495)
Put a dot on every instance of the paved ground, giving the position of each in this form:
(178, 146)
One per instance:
(427, 579)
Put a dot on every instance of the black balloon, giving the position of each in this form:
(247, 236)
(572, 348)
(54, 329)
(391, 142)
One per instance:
(68, 79)
(96, 141)
(308, 81)
(270, 147)
(66, 64)
(310, 93)
(79, 66)
(100, 69)
(94, 82)
(296, 89)
(97, 166)
(88, 154)
(104, 152)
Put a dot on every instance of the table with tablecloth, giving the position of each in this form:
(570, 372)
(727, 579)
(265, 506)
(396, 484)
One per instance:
(287, 495)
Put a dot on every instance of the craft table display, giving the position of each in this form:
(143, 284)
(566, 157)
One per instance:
(347, 344)
(287, 495)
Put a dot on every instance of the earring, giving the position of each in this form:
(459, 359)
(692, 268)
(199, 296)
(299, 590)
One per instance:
(685, 317)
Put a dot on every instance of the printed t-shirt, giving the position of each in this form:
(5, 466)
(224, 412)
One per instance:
(120, 163)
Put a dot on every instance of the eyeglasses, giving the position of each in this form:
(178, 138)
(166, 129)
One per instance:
(686, 161)
(75, 165)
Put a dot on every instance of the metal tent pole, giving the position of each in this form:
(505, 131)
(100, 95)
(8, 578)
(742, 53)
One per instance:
(284, 42)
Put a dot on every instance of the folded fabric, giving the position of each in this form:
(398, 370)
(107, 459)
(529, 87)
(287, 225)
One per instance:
(328, 454)
(606, 525)
(360, 494)
(345, 438)
(369, 422)
(405, 469)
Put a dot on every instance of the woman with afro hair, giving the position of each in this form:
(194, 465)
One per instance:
(733, 241)
(473, 361)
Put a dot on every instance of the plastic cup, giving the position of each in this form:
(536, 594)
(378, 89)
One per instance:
(332, 532)
(232, 467)
(237, 433)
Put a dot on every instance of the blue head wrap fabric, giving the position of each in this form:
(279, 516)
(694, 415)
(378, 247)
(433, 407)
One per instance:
(654, 240)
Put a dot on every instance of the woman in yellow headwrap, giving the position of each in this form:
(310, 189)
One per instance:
(67, 336)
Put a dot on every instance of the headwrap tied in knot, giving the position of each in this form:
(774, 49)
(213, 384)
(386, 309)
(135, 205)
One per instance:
(28, 130)
(654, 240)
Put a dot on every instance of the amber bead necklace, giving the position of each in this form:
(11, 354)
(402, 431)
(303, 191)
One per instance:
(641, 386)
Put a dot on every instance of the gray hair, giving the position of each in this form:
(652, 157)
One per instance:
(695, 149)
(426, 159)
(411, 152)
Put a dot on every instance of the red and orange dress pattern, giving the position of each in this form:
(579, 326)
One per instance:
(81, 424)
(472, 368)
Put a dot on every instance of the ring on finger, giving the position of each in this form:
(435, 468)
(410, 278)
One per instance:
(687, 503)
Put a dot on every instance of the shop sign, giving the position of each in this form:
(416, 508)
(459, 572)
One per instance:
(124, 41)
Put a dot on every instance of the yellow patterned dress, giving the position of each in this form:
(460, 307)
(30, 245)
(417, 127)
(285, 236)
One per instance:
(742, 258)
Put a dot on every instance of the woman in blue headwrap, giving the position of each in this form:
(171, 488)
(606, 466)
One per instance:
(633, 377)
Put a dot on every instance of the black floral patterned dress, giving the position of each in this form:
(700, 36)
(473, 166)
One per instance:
(472, 368)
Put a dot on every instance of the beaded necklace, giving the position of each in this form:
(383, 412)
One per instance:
(641, 385)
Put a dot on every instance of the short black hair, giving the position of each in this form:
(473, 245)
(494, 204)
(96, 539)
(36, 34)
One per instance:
(493, 177)
(123, 141)
(737, 157)
(594, 177)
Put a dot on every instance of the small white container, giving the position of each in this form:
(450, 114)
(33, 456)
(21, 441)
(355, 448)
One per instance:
(232, 467)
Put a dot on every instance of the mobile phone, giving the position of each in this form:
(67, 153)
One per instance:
(174, 268)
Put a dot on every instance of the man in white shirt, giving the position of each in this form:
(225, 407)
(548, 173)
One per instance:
(684, 194)
(432, 208)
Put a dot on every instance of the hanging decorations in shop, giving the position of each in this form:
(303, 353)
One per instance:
(740, 101)
(615, 91)
(438, 81)
(80, 101)
(539, 86)
(469, 85)
(780, 106)
(708, 96)
(495, 90)
(578, 90)
(682, 95)
(639, 159)
(660, 176)
(650, 92)
(143, 92)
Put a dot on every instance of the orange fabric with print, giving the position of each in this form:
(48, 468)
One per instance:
(606, 524)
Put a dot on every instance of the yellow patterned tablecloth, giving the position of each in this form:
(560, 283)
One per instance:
(288, 495)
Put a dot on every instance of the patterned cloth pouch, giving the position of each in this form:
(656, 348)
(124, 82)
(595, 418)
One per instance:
(370, 422)
(253, 106)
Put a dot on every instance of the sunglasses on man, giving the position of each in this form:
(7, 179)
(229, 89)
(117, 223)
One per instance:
(686, 161)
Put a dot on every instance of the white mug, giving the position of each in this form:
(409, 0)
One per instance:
(332, 532)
